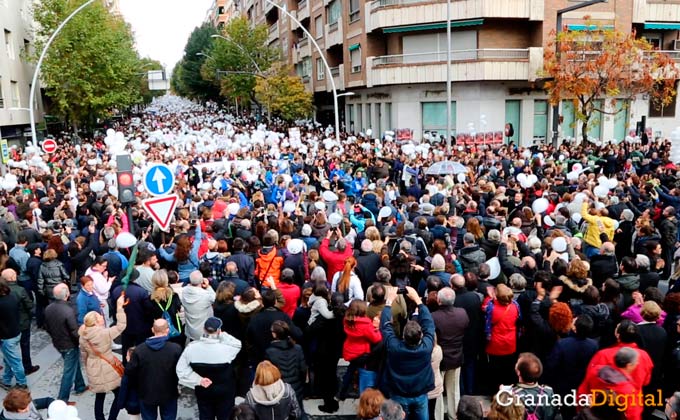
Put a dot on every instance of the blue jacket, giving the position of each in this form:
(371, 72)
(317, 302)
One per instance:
(85, 303)
(136, 308)
(408, 372)
(184, 268)
(277, 195)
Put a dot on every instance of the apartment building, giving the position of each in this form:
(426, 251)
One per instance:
(221, 11)
(15, 72)
(389, 59)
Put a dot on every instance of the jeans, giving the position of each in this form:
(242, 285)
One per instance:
(212, 409)
(72, 374)
(354, 365)
(26, 349)
(11, 354)
(452, 387)
(168, 410)
(414, 407)
(99, 405)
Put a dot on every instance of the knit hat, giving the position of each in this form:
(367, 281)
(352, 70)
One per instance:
(306, 230)
(212, 324)
(438, 262)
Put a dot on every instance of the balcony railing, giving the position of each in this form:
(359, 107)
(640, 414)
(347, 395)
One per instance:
(675, 55)
(302, 42)
(305, 79)
(458, 55)
(332, 26)
(274, 28)
(384, 3)
(302, 4)
(335, 71)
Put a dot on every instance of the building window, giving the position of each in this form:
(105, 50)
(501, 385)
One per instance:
(355, 59)
(540, 120)
(434, 118)
(658, 110)
(2, 97)
(369, 117)
(9, 45)
(359, 118)
(388, 116)
(27, 47)
(320, 70)
(354, 10)
(350, 113)
(16, 97)
(333, 12)
(318, 27)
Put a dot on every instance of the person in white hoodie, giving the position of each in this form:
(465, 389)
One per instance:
(270, 397)
(197, 300)
(206, 367)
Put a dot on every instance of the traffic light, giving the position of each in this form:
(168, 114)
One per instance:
(126, 183)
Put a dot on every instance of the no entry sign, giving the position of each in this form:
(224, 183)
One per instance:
(49, 146)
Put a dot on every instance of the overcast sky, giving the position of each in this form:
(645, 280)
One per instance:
(162, 27)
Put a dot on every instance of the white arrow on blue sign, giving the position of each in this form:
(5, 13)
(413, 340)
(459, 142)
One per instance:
(159, 179)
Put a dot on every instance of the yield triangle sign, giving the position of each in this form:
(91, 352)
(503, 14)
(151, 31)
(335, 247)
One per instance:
(161, 209)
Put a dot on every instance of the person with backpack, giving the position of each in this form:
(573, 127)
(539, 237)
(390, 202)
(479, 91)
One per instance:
(165, 304)
(529, 369)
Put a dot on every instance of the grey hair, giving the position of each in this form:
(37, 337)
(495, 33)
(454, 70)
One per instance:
(518, 282)
(642, 261)
(231, 268)
(625, 356)
(60, 293)
(674, 402)
(390, 410)
(383, 275)
(457, 281)
(318, 274)
(195, 278)
(446, 296)
(341, 244)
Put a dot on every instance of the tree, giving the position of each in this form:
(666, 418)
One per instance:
(199, 43)
(176, 85)
(92, 66)
(595, 65)
(245, 50)
(283, 94)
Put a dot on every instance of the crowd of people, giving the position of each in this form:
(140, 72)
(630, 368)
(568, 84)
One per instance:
(528, 276)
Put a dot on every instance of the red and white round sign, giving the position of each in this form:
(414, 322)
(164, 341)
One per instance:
(49, 146)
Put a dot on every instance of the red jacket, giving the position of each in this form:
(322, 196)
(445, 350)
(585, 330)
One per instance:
(360, 336)
(291, 294)
(501, 328)
(642, 373)
(335, 260)
(601, 379)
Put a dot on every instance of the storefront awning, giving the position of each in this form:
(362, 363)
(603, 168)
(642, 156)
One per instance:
(354, 47)
(430, 26)
(578, 27)
(662, 25)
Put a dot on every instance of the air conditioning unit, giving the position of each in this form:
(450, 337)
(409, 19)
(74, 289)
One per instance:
(676, 45)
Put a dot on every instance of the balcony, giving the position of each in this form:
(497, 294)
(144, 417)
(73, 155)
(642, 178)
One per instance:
(467, 65)
(303, 10)
(338, 74)
(273, 32)
(267, 7)
(387, 13)
(334, 34)
(303, 50)
(656, 11)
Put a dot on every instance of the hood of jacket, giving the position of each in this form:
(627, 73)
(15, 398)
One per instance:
(472, 253)
(599, 311)
(577, 285)
(246, 308)
(156, 343)
(94, 335)
(267, 256)
(359, 328)
(611, 376)
(269, 394)
(629, 282)
(193, 294)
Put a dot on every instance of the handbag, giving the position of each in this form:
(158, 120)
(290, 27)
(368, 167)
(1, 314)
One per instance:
(116, 364)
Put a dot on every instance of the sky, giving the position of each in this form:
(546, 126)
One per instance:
(162, 27)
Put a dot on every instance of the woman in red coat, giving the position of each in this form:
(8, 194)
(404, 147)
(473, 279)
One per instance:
(502, 315)
(361, 332)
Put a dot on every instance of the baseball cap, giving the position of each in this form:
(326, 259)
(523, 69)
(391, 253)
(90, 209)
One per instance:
(212, 324)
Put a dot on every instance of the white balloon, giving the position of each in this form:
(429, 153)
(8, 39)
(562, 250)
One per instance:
(548, 221)
(125, 240)
(532, 179)
(289, 206)
(110, 132)
(601, 191)
(113, 190)
(385, 212)
(576, 217)
(573, 175)
(233, 208)
(97, 186)
(494, 267)
(603, 180)
(334, 219)
(329, 196)
(522, 178)
(612, 183)
(576, 167)
(559, 244)
(57, 409)
(460, 177)
(540, 205)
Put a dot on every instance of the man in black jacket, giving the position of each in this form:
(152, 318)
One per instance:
(604, 265)
(471, 302)
(258, 335)
(450, 324)
(368, 263)
(62, 325)
(151, 370)
(244, 262)
(10, 336)
(25, 308)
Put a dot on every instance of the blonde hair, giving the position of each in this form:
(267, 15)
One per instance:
(90, 319)
(161, 290)
(651, 311)
(504, 294)
(506, 407)
(266, 374)
(50, 255)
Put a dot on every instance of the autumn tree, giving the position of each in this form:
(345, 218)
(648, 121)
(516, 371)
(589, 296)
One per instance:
(283, 94)
(595, 66)
(237, 57)
(92, 66)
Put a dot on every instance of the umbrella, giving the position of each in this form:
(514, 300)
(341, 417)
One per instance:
(446, 167)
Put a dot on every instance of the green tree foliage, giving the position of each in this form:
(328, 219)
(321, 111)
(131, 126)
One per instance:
(189, 77)
(284, 94)
(176, 85)
(246, 49)
(92, 66)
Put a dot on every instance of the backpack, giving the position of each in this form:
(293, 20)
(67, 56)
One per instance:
(174, 332)
(532, 415)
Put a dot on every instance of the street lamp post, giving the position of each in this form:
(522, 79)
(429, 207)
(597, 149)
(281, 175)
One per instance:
(31, 100)
(323, 59)
(448, 76)
(240, 47)
(558, 29)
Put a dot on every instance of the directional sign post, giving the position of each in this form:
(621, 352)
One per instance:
(159, 179)
(161, 209)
